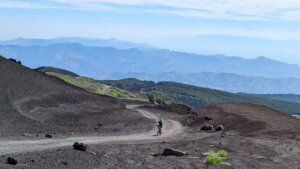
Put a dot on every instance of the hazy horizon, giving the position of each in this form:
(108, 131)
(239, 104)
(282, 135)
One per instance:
(204, 45)
(272, 27)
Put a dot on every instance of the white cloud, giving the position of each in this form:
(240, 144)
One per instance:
(20, 4)
(223, 9)
(220, 9)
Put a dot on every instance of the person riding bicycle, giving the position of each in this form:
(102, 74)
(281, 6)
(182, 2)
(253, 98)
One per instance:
(159, 126)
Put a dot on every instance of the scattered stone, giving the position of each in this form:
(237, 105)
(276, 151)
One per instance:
(219, 128)
(79, 146)
(33, 161)
(172, 152)
(48, 136)
(207, 127)
(95, 128)
(64, 163)
(99, 124)
(207, 118)
(12, 161)
(93, 153)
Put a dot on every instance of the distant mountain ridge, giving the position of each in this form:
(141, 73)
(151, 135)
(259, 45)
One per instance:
(94, 60)
(95, 42)
(234, 74)
(236, 45)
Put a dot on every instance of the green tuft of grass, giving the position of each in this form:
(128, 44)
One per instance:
(222, 153)
(215, 158)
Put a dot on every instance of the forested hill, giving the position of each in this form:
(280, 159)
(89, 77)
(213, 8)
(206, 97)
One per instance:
(199, 96)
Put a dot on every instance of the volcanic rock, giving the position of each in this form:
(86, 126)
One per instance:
(219, 128)
(172, 152)
(48, 136)
(79, 146)
(207, 127)
(12, 161)
(207, 118)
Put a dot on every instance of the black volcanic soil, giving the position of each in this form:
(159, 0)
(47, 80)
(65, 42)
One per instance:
(250, 144)
(32, 104)
(249, 119)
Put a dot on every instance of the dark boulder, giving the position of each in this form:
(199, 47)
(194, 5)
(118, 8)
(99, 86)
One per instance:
(79, 146)
(172, 152)
(11, 161)
(64, 163)
(219, 128)
(13, 60)
(48, 136)
(207, 118)
(207, 127)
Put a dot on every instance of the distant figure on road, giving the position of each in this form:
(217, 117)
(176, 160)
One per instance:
(159, 126)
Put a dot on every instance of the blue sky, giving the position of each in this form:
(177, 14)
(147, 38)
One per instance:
(152, 21)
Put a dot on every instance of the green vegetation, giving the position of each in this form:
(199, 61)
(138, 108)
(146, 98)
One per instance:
(159, 98)
(97, 87)
(216, 158)
(199, 96)
(283, 97)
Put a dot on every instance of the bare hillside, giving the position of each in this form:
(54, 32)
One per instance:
(34, 103)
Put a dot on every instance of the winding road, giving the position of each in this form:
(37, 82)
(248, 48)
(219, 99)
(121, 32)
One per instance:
(170, 128)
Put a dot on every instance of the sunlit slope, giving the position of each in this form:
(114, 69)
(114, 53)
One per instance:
(97, 87)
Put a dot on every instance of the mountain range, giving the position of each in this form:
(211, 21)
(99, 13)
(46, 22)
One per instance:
(235, 45)
(101, 59)
(96, 42)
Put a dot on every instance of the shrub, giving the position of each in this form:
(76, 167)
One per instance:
(222, 153)
(215, 158)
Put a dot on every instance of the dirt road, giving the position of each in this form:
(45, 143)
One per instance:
(171, 128)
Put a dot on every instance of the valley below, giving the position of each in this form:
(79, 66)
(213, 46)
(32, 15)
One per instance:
(43, 116)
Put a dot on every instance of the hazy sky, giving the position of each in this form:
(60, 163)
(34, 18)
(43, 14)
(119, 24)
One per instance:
(150, 20)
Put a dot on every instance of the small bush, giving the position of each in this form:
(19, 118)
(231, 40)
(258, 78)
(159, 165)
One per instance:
(222, 153)
(215, 158)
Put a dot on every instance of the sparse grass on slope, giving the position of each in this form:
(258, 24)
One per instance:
(97, 87)
(216, 158)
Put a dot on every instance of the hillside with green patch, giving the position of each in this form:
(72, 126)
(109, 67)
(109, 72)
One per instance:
(98, 87)
(199, 96)
(283, 97)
